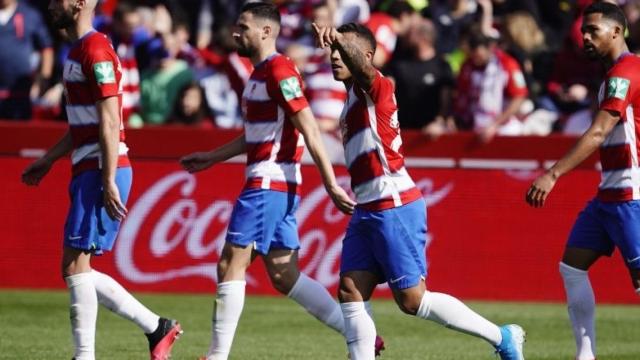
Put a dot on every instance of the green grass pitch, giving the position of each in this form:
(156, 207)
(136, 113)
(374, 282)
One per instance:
(35, 326)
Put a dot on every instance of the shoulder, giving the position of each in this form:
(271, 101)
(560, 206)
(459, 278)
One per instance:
(27, 10)
(281, 66)
(281, 61)
(629, 67)
(507, 61)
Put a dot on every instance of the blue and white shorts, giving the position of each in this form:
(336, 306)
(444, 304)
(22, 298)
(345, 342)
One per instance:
(88, 226)
(264, 219)
(603, 226)
(389, 243)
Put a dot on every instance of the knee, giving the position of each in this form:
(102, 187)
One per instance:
(348, 293)
(409, 305)
(282, 281)
(222, 268)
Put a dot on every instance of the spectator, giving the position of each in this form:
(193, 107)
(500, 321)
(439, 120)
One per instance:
(451, 17)
(424, 84)
(347, 11)
(386, 27)
(491, 88)
(26, 58)
(190, 107)
(161, 83)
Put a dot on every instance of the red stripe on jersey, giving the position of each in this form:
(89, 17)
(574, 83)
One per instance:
(616, 157)
(365, 167)
(261, 111)
(289, 149)
(406, 197)
(282, 186)
(358, 120)
(259, 152)
(615, 194)
(78, 94)
(93, 164)
(131, 88)
(82, 135)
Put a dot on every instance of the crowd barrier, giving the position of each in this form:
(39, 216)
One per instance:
(484, 242)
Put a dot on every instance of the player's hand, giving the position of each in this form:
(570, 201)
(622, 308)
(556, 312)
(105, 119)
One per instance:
(197, 161)
(487, 134)
(540, 189)
(341, 199)
(325, 36)
(34, 173)
(112, 203)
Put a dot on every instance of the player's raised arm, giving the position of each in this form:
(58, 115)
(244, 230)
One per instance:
(199, 161)
(355, 56)
(305, 122)
(37, 170)
(602, 125)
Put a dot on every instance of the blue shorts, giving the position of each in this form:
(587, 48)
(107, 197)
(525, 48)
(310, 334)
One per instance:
(88, 226)
(389, 243)
(602, 226)
(264, 219)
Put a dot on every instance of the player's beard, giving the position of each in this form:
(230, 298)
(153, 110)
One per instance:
(62, 20)
(245, 51)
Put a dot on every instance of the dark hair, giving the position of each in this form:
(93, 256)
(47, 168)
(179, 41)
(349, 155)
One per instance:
(262, 10)
(476, 39)
(123, 8)
(361, 31)
(609, 11)
(399, 8)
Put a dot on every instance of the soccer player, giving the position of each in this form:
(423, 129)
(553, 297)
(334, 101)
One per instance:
(100, 184)
(278, 122)
(385, 239)
(612, 218)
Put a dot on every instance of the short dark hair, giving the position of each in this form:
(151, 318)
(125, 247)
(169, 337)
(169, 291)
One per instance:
(361, 31)
(399, 8)
(609, 11)
(262, 10)
(476, 39)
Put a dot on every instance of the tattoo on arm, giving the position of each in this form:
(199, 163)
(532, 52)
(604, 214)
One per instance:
(362, 70)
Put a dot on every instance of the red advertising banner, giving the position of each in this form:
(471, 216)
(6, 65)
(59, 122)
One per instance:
(484, 242)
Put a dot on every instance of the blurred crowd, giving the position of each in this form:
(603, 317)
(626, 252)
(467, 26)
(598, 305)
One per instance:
(496, 67)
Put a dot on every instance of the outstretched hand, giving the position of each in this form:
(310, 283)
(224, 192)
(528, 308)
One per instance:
(34, 173)
(540, 189)
(325, 36)
(197, 161)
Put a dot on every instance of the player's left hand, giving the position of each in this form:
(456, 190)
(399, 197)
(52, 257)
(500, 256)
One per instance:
(341, 199)
(325, 35)
(112, 203)
(540, 189)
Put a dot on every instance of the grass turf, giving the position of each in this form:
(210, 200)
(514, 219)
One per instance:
(36, 326)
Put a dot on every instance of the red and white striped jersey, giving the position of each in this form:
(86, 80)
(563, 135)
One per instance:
(620, 92)
(92, 72)
(130, 79)
(274, 146)
(373, 147)
(326, 95)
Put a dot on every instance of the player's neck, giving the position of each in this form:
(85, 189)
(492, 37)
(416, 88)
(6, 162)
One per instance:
(262, 54)
(614, 55)
(80, 28)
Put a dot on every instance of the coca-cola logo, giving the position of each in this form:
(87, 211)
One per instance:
(182, 226)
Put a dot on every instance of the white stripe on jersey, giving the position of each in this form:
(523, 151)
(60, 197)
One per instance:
(324, 81)
(618, 178)
(82, 114)
(272, 171)
(383, 187)
(260, 132)
(130, 99)
(92, 151)
(73, 72)
(617, 136)
(329, 108)
(360, 143)
(256, 91)
(630, 126)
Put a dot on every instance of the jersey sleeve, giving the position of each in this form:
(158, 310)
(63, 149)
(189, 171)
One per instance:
(516, 84)
(619, 85)
(101, 67)
(284, 85)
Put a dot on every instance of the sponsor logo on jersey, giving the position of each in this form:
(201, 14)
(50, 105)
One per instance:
(290, 88)
(617, 88)
(104, 72)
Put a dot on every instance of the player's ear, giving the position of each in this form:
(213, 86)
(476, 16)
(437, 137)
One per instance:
(267, 31)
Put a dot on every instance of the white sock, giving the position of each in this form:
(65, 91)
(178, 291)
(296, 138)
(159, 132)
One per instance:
(360, 331)
(113, 296)
(452, 313)
(316, 299)
(226, 314)
(84, 312)
(582, 307)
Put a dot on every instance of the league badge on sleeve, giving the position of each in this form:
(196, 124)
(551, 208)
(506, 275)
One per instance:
(290, 88)
(617, 88)
(104, 73)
